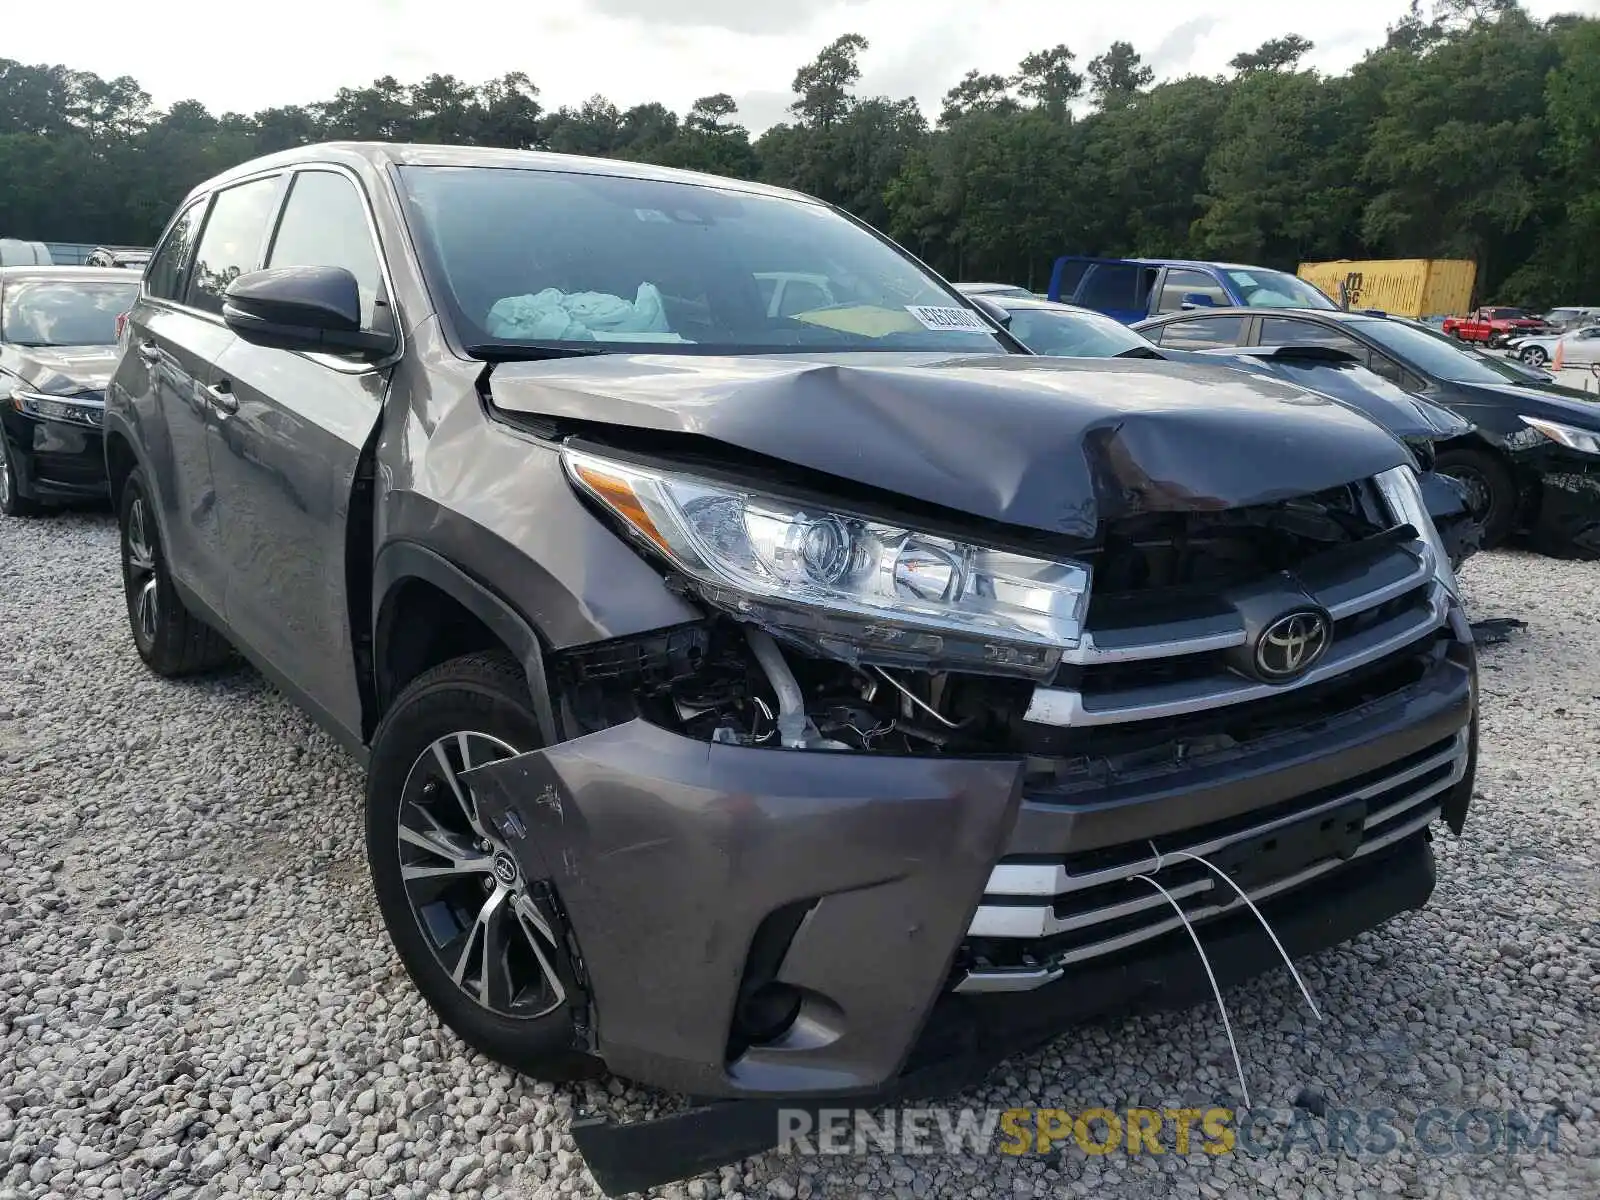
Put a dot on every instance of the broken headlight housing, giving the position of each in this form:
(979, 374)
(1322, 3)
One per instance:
(851, 586)
(1402, 492)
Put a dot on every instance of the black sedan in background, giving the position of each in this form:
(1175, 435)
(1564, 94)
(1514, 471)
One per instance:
(1068, 331)
(1533, 465)
(58, 333)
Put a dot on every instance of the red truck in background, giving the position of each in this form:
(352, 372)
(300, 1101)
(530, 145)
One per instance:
(1494, 326)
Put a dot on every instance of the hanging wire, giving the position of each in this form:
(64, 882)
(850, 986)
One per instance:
(1216, 991)
(1229, 880)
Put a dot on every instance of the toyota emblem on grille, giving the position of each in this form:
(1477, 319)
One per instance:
(1291, 645)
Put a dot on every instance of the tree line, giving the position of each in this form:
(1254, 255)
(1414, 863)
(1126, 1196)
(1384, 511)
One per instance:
(1473, 131)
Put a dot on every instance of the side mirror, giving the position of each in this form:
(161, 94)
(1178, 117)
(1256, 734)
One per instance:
(301, 308)
(992, 310)
(1197, 300)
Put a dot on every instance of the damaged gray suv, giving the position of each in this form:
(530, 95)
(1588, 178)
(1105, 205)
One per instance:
(773, 680)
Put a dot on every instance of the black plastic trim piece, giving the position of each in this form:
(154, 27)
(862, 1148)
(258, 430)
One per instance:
(407, 560)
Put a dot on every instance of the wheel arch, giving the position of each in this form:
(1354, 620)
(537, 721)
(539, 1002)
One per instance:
(121, 462)
(125, 451)
(1524, 479)
(425, 610)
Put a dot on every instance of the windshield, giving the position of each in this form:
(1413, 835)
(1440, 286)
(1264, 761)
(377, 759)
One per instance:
(994, 289)
(541, 258)
(1430, 354)
(61, 312)
(1277, 289)
(1066, 333)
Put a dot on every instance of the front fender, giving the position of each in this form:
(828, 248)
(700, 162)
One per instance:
(398, 562)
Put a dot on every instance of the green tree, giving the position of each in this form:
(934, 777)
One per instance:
(1453, 160)
(1118, 75)
(381, 111)
(1277, 186)
(511, 112)
(1472, 130)
(1047, 78)
(1274, 54)
(977, 93)
(824, 87)
(593, 128)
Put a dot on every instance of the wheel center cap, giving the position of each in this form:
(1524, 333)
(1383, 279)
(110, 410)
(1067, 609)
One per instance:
(505, 868)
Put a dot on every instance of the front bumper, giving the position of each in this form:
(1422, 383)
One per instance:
(878, 889)
(55, 460)
(1566, 515)
(966, 1036)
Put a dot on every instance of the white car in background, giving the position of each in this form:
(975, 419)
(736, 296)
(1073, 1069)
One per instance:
(1571, 317)
(1579, 347)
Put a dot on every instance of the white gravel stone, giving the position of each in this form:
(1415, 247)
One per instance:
(197, 998)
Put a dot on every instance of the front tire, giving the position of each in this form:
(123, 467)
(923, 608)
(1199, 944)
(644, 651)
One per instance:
(1535, 356)
(488, 949)
(12, 502)
(171, 640)
(1491, 491)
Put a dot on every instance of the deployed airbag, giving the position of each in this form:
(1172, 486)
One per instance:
(554, 315)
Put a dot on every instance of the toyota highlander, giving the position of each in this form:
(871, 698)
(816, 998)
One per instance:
(772, 702)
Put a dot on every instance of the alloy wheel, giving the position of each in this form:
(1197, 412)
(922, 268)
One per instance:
(1534, 356)
(143, 586)
(5, 477)
(478, 913)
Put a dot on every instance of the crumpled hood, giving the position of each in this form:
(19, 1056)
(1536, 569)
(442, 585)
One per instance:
(1053, 444)
(63, 370)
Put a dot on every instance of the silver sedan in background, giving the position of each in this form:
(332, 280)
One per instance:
(1579, 347)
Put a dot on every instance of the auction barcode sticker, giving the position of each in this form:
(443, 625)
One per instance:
(957, 320)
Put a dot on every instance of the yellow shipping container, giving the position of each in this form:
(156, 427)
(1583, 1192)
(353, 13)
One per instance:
(1407, 287)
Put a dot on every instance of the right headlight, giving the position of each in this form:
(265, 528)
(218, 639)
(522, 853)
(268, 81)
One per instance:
(854, 586)
(1582, 440)
(1402, 492)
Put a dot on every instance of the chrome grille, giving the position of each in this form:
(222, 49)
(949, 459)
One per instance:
(1055, 916)
(1379, 604)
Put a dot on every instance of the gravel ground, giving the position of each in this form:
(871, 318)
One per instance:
(197, 998)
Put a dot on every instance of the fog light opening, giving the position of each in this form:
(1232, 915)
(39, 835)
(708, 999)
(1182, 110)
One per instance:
(766, 1013)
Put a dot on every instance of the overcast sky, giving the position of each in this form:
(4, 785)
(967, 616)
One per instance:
(298, 51)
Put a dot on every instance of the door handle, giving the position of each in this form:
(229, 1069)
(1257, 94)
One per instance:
(221, 395)
(150, 352)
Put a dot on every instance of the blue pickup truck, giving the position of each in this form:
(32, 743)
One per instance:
(1131, 289)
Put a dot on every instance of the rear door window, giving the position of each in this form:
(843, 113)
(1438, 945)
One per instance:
(231, 243)
(1182, 281)
(1281, 331)
(1111, 286)
(1200, 333)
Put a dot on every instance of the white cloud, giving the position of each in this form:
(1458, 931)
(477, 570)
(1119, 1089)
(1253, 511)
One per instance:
(674, 51)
